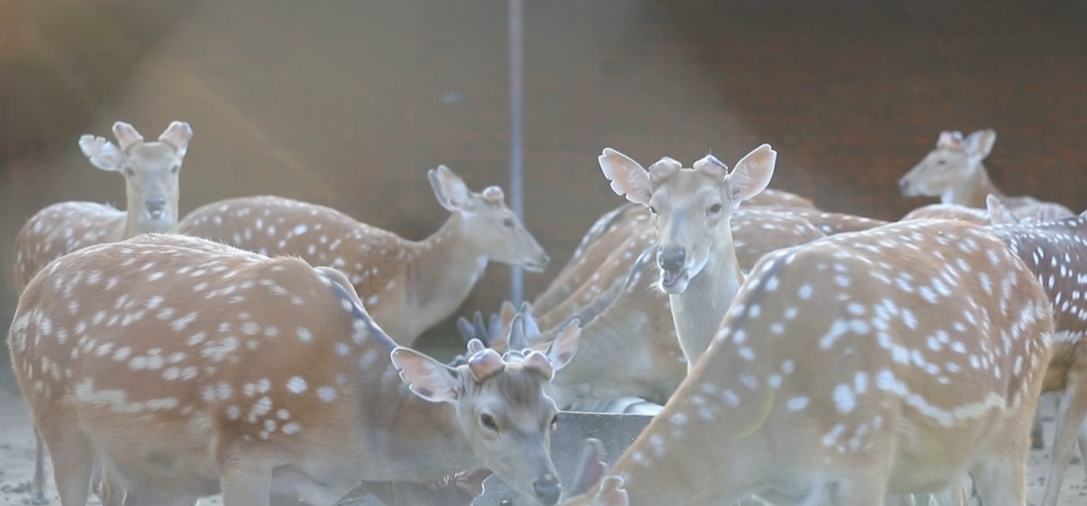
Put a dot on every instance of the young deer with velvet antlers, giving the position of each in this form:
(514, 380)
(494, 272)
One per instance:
(407, 286)
(955, 173)
(852, 370)
(191, 368)
(692, 208)
(151, 171)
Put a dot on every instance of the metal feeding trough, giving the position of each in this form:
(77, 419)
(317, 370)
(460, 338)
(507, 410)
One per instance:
(616, 431)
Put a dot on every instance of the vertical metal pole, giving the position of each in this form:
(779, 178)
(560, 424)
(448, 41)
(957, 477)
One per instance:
(516, 11)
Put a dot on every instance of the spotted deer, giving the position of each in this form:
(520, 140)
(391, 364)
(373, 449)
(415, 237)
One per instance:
(1056, 253)
(151, 171)
(937, 338)
(955, 173)
(692, 209)
(408, 286)
(617, 227)
(191, 368)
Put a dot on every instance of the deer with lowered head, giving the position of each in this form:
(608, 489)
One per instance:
(191, 368)
(954, 172)
(151, 171)
(854, 370)
(408, 286)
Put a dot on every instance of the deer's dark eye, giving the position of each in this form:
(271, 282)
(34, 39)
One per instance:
(488, 422)
(174, 169)
(508, 223)
(941, 162)
(714, 209)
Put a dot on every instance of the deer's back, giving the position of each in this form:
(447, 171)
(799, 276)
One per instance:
(833, 223)
(756, 232)
(780, 199)
(320, 235)
(943, 211)
(856, 331)
(60, 229)
(1056, 253)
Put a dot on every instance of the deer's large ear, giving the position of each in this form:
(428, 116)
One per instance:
(126, 135)
(426, 377)
(590, 467)
(177, 135)
(449, 189)
(102, 153)
(979, 144)
(564, 347)
(999, 214)
(627, 177)
(752, 174)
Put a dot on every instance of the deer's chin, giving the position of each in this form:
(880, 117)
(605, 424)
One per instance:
(155, 216)
(674, 282)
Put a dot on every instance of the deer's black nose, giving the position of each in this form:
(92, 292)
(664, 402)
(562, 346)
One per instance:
(548, 489)
(672, 258)
(155, 204)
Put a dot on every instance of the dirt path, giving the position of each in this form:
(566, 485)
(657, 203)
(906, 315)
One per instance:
(17, 457)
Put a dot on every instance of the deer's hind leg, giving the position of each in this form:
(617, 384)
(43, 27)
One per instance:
(999, 470)
(37, 487)
(72, 454)
(1070, 421)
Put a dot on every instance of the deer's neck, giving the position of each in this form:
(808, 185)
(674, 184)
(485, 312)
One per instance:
(138, 222)
(446, 266)
(699, 309)
(972, 192)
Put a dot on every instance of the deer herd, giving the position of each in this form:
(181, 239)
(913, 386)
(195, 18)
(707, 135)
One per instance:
(261, 347)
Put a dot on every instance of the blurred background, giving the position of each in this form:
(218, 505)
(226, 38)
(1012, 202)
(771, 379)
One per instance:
(347, 104)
